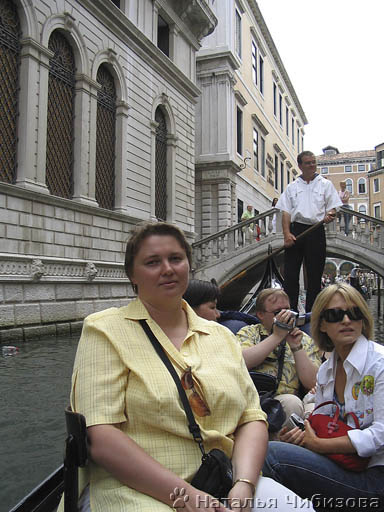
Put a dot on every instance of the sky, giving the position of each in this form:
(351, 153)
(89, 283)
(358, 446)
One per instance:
(333, 51)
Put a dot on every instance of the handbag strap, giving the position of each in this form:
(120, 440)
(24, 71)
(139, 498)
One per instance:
(192, 425)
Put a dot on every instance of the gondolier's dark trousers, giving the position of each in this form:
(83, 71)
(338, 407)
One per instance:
(311, 249)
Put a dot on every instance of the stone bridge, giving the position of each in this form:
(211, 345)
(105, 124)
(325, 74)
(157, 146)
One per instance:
(230, 252)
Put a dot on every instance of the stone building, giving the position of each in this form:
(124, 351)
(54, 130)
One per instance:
(97, 131)
(353, 168)
(376, 184)
(249, 121)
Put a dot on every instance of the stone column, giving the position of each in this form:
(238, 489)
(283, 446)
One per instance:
(33, 106)
(84, 150)
(121, 170)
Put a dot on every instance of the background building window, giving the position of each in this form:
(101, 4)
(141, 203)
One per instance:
(377, 211)
(376, 186)
(255, 150)
(276, 172)
(361, 167)
(349, 185)
(239, 131)
(348, 168)
(240, 209)
(238, 33)
(293, 131)
(262, 156)
(9, 89)
(324, 170)
(361, 186)
(274, 99)
(261, 74)
(60, 115)
(281, 177)
(287, 121)
(254, 63)
(105, 139)
(163, 35)
(363, 209)
(161, 166)
(288, 177)
(280, 109)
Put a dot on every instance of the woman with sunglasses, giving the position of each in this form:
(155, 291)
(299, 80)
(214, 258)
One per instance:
(142, 454)
(353, 377)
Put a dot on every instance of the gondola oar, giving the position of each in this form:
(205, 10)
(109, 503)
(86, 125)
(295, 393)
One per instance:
(271, 255)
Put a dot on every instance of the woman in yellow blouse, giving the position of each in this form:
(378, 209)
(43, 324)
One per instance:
(142, 453)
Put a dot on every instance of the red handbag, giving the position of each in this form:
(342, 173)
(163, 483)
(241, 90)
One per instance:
(328, 426)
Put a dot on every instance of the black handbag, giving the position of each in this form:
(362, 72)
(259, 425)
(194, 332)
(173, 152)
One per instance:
(266, 386)
(215, 474)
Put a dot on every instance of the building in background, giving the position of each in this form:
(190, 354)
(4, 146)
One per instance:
(97, 125)
(353, 168)
(376, 184)
(249, 121)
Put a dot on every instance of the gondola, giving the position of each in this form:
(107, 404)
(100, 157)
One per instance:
(47, 495)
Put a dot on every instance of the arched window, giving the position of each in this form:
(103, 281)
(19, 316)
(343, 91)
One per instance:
(363, 209)
(105, 139)
(161, 166)
(61, 95)
(349, 185)
(10, 34)
(361, 186)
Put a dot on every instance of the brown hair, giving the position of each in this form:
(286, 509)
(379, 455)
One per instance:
(144, 230)
(302, 154)
(265, 294)
(353, 298)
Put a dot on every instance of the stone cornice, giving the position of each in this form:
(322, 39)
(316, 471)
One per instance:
(272, 47)
(127, 32)
(259, 124)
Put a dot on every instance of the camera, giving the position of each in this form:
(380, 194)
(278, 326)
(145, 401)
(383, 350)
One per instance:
(295, 421)
(294, 316)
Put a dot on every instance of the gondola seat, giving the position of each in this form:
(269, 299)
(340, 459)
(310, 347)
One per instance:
(76, 455)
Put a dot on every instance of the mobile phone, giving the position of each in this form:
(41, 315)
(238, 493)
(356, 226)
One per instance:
(295, 421)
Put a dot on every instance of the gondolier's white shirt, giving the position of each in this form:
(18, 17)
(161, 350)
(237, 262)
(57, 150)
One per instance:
(308, 203)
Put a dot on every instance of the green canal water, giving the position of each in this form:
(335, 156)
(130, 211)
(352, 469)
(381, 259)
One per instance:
(35, 387)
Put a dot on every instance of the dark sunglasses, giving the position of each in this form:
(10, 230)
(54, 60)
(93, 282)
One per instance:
(336, 315)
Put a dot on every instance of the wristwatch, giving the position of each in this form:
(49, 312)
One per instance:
(296, 349)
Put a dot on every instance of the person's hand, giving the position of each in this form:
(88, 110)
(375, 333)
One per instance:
(289, 239)
(329, 217)
(241, 495)
(293, 436)
(285, 317)
(310, 440)
(294, 337)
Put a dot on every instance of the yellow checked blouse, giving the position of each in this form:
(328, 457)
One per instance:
(119, 378)
(254, 334)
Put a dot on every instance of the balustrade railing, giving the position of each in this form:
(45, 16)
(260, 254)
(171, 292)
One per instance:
(363, 229)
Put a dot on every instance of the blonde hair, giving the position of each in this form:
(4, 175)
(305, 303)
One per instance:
(353, 298)
(266, 294)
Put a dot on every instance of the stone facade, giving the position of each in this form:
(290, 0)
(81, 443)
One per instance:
(61, 258)
(250, 124)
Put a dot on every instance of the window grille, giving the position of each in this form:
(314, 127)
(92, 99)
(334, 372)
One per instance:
(161, 166)
(10, 34)
(61, 95)
(105, 139)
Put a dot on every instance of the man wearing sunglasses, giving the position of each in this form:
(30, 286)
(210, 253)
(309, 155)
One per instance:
(306, 201)
(262, 345)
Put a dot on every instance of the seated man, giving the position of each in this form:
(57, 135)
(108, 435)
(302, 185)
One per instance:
(261, 345)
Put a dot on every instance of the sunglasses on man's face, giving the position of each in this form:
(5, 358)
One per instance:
(195, 401)
(336, 315)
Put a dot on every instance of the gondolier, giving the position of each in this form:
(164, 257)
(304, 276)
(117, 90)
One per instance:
(308, 200)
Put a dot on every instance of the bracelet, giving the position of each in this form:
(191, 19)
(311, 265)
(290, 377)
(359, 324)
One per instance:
(245, 480)
(296, 349)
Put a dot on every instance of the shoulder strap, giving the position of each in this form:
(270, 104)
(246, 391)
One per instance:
(192, 425)
(280, 359)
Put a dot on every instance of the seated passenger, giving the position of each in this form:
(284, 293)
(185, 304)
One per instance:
(262, 344)
(143, 457)
(202, 297)
(353, 377)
